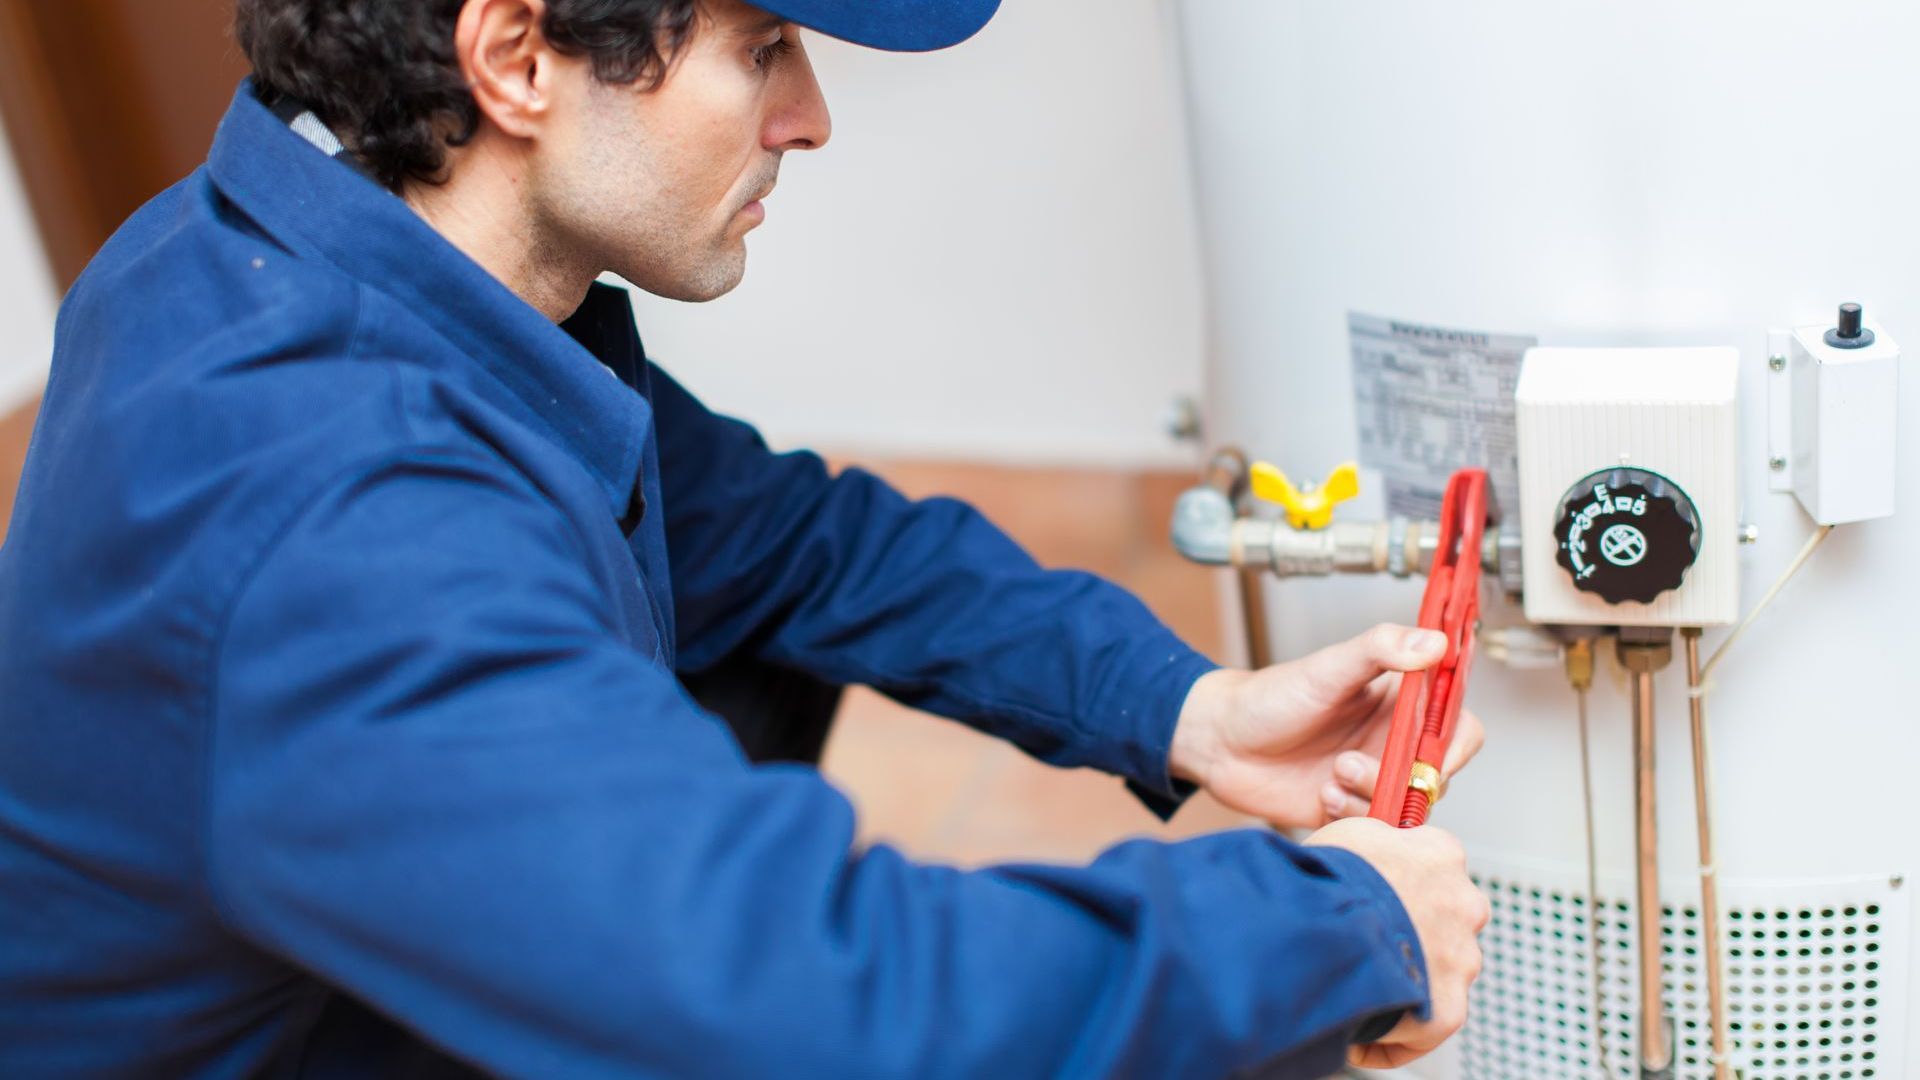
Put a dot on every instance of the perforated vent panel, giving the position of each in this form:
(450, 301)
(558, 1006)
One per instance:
(1815, 983)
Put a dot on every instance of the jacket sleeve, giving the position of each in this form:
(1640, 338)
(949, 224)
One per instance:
(843, 577)
(442, 783)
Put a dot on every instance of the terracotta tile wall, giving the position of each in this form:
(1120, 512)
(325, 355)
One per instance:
(943, 791)
(16, 428)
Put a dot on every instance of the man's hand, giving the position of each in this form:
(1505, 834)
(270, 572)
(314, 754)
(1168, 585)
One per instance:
(1298, 744)
(1427, 868)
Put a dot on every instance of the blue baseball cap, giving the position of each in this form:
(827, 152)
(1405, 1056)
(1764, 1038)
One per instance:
(894, 25)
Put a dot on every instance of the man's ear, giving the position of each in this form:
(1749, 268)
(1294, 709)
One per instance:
(506, 61)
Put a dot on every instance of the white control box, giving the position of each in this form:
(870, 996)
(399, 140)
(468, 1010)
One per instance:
(1833, 414)
(1629, 513)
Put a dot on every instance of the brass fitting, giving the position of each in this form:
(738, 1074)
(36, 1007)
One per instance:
(1579, 659)
(1425, 779)
(1644, 657)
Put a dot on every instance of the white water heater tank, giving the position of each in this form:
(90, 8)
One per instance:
(1619, 175)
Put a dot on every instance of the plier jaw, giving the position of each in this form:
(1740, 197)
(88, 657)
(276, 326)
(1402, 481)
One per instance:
(1428, 707)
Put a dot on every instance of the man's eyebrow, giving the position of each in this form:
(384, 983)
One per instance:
(767, 23)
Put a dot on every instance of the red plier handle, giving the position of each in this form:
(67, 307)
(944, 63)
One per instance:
(1428, 707)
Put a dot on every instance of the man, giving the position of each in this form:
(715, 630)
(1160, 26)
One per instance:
(362, 565)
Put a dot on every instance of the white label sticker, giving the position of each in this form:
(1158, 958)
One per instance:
(1430, 400)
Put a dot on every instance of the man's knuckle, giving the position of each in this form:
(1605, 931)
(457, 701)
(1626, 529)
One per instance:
(1384, 636)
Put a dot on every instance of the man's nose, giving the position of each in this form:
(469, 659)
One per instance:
(798, 119)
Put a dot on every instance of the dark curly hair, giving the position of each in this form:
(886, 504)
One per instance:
(382, 74)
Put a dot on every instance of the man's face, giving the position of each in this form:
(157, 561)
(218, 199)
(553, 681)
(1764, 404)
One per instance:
(661, 186)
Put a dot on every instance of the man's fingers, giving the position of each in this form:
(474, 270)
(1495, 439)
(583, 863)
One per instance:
(1382, 1056)
(1468, 738)
(1410, 1040)
(1340, 803)
(1357, 772)
(1344, 668)
(1350, 792)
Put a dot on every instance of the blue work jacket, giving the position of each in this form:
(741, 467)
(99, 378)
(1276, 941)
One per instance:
(345, 614)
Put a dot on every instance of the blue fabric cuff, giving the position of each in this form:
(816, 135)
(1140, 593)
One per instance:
(1396, 933)
(1142, 709)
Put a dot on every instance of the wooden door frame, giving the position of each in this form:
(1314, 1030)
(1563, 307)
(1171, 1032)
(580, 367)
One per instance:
(44, 151)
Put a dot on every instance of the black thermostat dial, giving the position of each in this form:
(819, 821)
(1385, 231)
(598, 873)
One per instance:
(1627, 535)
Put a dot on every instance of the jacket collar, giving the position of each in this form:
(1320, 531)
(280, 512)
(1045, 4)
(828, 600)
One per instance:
(320, 208)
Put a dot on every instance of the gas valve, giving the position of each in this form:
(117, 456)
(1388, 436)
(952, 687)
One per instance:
(1308, 507)
(1627, 535)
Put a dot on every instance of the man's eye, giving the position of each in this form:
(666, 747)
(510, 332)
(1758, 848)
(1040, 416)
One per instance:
(764, 55)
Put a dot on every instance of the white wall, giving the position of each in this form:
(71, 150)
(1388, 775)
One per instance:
(27, 299)
(992, 258)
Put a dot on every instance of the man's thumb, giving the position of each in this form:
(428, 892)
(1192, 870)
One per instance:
(1340, 669)
(1400, 648)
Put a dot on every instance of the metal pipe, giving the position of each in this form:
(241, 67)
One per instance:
(1229, 468)
(1642, 658)
(1227, 472)
(1204, 525)
(1654, 1053)
(1253, 617)
(1579, 666)
(1226, 475)
(1212, 525)
(1209, 528)
(1709, 876)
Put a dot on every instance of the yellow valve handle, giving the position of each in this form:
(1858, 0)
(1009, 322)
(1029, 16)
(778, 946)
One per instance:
(1311, 508)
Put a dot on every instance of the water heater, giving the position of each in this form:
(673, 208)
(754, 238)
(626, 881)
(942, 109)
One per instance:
(1600, 249)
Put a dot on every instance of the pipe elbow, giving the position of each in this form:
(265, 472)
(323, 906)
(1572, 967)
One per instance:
(1203, 526)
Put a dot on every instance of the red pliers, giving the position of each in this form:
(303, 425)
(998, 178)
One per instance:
(1428, 708)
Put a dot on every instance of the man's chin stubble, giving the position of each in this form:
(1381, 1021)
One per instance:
(709, 279)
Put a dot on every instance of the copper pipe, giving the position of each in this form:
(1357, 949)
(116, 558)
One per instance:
(1655, 1055)
(1253, 614)
(1709, 876)
(1227, 473)
(1578, 659)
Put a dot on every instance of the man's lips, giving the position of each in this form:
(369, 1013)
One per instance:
(755, 209)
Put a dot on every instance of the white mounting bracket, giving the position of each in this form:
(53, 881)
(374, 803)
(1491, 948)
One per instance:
(1779, 410)
(1832, 417)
